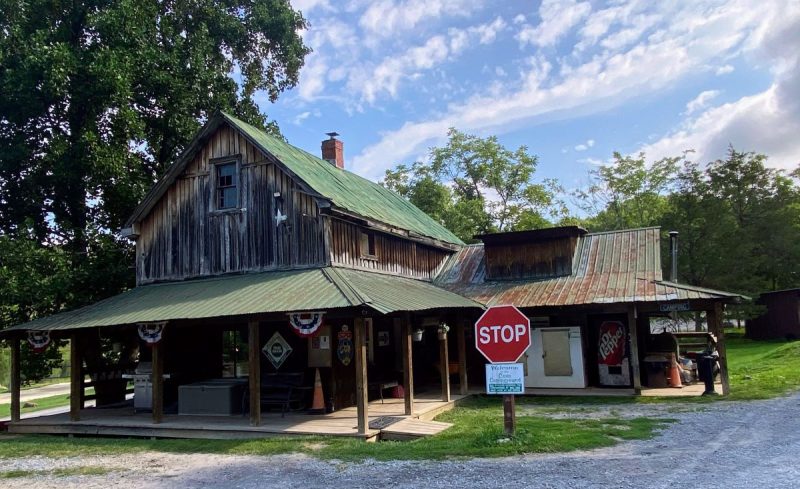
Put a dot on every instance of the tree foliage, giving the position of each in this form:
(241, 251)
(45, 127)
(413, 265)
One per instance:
(475, 185)
(738, 220)
(99, 97)
(628, 192)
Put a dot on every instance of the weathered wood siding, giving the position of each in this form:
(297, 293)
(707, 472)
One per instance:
(184, 237)
(539, 260)
(393, 254)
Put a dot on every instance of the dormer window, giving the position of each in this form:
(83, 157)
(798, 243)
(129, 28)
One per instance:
(227, 185)
(367, 244)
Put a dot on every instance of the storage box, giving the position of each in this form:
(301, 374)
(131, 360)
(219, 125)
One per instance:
(216, 397)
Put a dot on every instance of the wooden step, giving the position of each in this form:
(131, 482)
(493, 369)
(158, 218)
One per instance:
(410, 429)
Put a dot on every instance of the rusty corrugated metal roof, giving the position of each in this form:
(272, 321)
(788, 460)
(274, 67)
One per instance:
(256, 293)
(611, 267)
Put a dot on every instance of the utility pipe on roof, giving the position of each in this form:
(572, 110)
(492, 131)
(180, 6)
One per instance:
(673, 253)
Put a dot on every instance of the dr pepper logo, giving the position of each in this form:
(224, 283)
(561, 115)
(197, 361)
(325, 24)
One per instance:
(611, 344)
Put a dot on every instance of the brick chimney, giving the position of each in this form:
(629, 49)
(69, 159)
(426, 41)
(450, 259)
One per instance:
(333, 150)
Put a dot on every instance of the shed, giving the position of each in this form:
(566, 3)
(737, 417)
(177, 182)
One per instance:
(782, 318)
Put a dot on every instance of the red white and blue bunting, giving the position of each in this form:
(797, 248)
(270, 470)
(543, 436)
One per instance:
(39, 340)
(151, 333)
(305, 324)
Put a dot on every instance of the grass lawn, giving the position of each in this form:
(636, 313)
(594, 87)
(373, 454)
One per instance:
(477, 432)
(758, 370)
(42, 403)
(762, 369)
(42, 383)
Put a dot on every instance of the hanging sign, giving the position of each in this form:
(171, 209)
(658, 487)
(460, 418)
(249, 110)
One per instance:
(674, 306)
(305, 323)
(611, 343)
(277, 350)
(151, 333)
(345, 349)
(39, 340)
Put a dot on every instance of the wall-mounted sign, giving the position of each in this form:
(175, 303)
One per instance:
(277, 350)
(305, 323)
(344, 352)
(383, 338)
(39, 340)
(674, 307)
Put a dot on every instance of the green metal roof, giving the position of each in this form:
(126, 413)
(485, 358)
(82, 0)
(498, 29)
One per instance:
(256, 293)
(345, 189)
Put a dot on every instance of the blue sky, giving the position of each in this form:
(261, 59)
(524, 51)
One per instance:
(572, 80)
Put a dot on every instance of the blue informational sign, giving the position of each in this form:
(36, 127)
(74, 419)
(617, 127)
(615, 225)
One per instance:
(505, 378)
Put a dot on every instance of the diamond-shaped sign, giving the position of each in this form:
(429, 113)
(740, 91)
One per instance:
(277, 350)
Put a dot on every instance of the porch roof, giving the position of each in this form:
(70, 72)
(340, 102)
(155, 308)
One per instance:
(256, 293)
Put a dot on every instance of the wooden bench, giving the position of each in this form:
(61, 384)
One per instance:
(285, 390)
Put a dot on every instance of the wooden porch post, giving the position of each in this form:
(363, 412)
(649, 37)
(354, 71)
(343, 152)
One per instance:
(714, 318)
(633, 329)
(75, 379)
(445, 367)
(361, 375)
(254, 363)
(158, 381)
(408, 366)
(15, 378)
(463, 386)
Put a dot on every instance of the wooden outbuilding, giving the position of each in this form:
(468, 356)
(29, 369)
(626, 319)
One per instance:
(781, 320)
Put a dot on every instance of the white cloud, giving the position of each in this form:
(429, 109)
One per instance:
(701, 101)
(557, 19)
(584, 146)
(301, 117)
(592, 161)
(387, 75)
(306, 6)
(687, 38)
(767, 122)
(312, 78)
(519, 19)
(724, 70)
(386, 18)
(487, 33)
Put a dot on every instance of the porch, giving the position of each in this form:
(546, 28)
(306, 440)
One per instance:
(387, 421)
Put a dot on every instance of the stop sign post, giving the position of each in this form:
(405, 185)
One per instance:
(502, 335)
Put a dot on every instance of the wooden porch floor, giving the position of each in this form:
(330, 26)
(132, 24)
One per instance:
(125, 422)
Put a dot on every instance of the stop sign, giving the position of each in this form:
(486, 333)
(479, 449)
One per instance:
(502, 334)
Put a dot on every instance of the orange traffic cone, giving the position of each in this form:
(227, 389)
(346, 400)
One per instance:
(675, 376)
(318, 404)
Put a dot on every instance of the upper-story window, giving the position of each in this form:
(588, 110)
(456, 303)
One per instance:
(368, 244)
(227, 185)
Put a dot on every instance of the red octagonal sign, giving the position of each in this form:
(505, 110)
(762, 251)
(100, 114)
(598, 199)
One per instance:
(502, 334)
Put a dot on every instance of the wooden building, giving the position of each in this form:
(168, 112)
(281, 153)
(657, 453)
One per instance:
(259, 265)
(250, 249)
(590, 297)
(781, 319)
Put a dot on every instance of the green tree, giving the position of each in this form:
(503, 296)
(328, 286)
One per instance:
(628, 192)
(475, 185)
(99, 97)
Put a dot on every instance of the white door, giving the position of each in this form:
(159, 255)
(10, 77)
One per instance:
(555, 359)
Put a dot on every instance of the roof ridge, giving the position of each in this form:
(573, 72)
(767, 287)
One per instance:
(628, 230)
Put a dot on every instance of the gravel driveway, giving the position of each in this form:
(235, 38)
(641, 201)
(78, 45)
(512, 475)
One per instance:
(724, 445)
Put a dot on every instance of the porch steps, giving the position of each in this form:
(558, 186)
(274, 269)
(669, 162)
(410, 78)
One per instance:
(412, 428)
